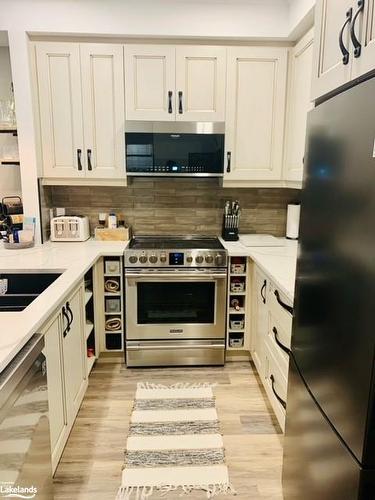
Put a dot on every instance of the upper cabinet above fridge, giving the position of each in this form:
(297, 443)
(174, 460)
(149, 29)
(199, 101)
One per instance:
(344, 43)
(175, 83)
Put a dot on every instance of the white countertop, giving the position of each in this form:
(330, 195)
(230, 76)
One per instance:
(279, 263)
(74, 259)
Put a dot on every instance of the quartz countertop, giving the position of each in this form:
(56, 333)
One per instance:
(72, 259)
(279, 263)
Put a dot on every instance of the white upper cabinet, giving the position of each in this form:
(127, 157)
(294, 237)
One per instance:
(298, 105)
(81, 109)
(60, 107)
(150, 82)
(255, 109)
(344, 43)
(103, 109)
(168, 83)
(200, 83)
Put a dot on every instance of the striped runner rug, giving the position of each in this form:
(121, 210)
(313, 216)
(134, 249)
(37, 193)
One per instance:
(174, 443)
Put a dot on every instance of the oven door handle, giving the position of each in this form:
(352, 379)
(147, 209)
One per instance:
(144, 347)
(150, 277)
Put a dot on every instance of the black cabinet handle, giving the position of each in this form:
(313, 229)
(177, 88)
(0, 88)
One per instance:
(229, 157)
(180, 110)
(71, 314)
(79, 154)
(89, 166)
(285, 306)
(355, 41)
(67, 328)
(261, 291)
(281, 401)
(170, 94)
(282, 346)
(344, 50)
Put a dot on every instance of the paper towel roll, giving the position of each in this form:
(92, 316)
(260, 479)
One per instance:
(292, 221)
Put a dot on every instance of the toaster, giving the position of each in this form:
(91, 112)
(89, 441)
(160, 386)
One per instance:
(70, 228)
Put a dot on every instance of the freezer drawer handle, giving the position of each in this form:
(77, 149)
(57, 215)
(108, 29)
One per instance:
(281, 401)
(282, 346)
(355, 41)
(344, 50)
(285, 306)
(261, 291)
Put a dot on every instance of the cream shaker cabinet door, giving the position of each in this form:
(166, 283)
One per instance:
(298, 105)
(260, 320)
(60, 107)
(332, 23)
(103, 110)
(150, 82)
(74, 355)
(56, 390)
(255, 108)
(200, 83)
(364, 33)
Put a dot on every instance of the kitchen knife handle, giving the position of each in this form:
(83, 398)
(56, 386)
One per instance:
(344, 50)
(355, 41)
(170, 94)
(180, 109)
(282, 346)
(67, 328)
(89, 165)
(281, 401)
(261, 291)
(79, 162)
(229, 156)
(285, 306)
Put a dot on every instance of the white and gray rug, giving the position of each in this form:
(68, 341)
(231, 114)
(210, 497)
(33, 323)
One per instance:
(174, 443)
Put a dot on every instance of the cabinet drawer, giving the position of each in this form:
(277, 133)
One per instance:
(278, 304)
(278, 340)
(275, 384)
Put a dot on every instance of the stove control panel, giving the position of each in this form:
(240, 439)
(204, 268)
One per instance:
(175, 258)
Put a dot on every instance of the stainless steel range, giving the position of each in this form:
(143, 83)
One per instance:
(175, 301)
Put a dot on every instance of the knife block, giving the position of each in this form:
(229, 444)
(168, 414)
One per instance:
(229, 233)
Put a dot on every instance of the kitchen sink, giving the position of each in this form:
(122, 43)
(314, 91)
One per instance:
(24, 287)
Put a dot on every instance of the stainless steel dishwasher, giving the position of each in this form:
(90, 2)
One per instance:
(25, 450)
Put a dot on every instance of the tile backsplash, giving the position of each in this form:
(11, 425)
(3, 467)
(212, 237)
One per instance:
(174, 206)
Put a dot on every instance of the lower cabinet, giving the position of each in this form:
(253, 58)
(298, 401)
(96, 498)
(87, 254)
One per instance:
(271, 337)
(66, 369)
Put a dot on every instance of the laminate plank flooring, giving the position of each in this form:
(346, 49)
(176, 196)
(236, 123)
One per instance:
(90, 468)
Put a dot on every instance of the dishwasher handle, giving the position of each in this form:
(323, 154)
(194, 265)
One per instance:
(13, 374)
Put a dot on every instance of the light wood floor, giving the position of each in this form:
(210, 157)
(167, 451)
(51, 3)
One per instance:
(90, 468)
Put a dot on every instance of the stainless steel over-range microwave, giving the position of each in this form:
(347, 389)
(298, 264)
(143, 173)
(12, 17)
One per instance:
(174, 149)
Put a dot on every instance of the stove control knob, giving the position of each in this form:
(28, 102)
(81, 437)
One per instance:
(133, 259)
(219, 260)
(143, 259)
(209, 259)
(153, 259)
(189, 259)
(199, 259)
(163, 258)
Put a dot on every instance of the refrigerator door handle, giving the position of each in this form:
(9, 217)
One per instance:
(344, 50)
(285, 306)
(281, 401)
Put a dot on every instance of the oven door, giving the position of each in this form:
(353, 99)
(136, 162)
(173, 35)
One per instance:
(172, 304)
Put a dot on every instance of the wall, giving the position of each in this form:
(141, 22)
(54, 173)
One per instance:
(176, 206)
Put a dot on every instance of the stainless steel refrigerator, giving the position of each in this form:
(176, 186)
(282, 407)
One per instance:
(329, 451)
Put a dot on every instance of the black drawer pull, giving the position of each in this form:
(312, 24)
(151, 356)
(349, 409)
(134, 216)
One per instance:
(89, 165)
(170, 93)
(282, 346)
(261, 291)
(180, 108)
(79, 162)
(67, 328)
(355, 41)
(71, 314)
(344, 50)
(281, 401)
(229, 158)
(285, 306)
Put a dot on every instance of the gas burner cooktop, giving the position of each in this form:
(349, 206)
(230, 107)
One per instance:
(175, 251)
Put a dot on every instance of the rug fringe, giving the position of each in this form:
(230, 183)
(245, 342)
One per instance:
(144, 492)
(178, 385)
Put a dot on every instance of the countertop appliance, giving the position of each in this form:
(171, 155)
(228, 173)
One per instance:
(175, 301)
(25, 450)
(70, 228)
(329, 451)
(181, 149)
